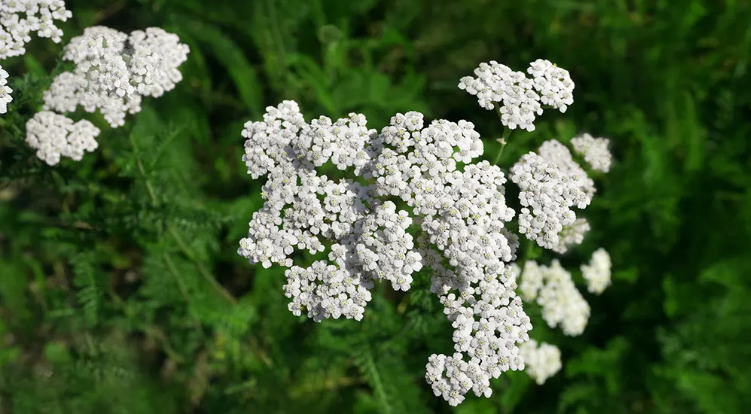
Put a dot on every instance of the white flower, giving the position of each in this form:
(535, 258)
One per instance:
(571, 234)
(114, 71)
(561, 302)
(556, 153)
(595, 151)
(554, 84)
(519, 99)
(20, 18)
(5, 91)
(156, 56)
(549, 189)
(597, 273)
(459, 207)
(54, 135)
(542, 362)
(532, 281)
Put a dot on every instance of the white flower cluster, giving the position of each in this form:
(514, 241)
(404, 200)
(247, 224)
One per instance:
(552, 288)
(369, 237)
(460, 208)
(5, 91)
(550, 187)
(114, 71)
(597, 272)
(571, 234)
(542, 362)
(54, 135)
(520, 99)
(20, 18)
(595, 151)
(555, 152)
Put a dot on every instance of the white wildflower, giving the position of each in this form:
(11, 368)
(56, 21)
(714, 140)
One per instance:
(571, 234)
(54, 135)
(594, 150)
(115, 71)
(20, 18)
(597, 272)
(561, 302)
(556, 153)
(5, 91)
(459, 206)
(519, 99)
(553, 84)
(547, 195)
(541, 362)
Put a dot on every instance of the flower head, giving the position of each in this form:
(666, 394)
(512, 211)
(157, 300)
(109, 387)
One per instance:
(54, 135)
(519, 99)
(597, 272)
(5, 91)
(595, 151)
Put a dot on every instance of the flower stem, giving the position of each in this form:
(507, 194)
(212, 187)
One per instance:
(504, 138)
(503, 141)
(176, 236)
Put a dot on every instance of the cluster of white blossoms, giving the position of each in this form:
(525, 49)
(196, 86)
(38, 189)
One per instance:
(455, 204)
(114, 71)
(550, 185)
(459, 206)
(20, 18)
(54, 135)
(597, 272)
(519, 98)
(542, 362)
(594, 150)
(571, 234)
(5, 91)
(554, 290)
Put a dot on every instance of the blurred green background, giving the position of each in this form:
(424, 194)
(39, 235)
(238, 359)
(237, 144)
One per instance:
(121, 290)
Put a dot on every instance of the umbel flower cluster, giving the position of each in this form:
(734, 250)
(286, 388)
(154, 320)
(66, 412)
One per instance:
(554, 290)
(113, 72)
(542, 362)
(551, 184)
(60, 132)
(594, 150)
(5, 91)
(517, 98)
(20, 18)
(422, 179)
(562, 305)
(597, 272)
(459, 208)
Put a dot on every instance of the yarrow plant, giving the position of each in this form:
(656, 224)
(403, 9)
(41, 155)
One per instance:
(20, 18)
(5, 91)
(113, 72)
(594, 150)
(597, 272)
(542, 362)
(519, 99)
(56, 135)
(415, 177)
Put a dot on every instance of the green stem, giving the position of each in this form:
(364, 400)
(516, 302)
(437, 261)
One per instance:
(176, 236)
(172, 270)
(504, 138)
(504, 141)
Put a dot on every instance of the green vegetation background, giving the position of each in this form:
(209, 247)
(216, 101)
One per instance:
(121, 290)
